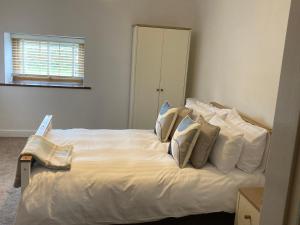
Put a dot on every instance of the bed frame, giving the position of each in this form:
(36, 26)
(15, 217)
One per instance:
(207, 219)
(46, 125)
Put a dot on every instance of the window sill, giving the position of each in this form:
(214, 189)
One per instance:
(42, 84)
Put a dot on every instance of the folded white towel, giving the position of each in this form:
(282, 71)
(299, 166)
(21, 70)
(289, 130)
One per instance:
(45, 153)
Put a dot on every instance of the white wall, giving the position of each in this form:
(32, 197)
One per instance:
(238, 48)
(235, 56)
(106, 24)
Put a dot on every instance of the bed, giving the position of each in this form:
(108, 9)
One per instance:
(122, 177)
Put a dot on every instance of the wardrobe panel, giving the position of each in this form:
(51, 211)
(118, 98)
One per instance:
(146, 76)
(174, 66)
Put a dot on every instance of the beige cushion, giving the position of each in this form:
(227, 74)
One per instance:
(204, 144)
(182, 113)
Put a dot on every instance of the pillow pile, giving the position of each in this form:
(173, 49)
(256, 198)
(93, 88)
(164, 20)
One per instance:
(255, 139)
(200, 132)
(187, 142)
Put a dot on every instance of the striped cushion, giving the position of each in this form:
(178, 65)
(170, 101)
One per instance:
(165, 121)
(183, 141)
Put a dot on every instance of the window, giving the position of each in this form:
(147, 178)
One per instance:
(47, 58)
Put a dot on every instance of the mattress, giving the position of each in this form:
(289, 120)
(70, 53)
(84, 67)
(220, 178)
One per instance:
(125, 176)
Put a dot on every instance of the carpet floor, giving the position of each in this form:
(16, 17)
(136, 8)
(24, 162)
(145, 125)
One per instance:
(9, 196)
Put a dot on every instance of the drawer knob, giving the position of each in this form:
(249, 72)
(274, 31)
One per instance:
(247, 217)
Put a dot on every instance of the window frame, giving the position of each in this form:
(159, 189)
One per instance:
(20, 78)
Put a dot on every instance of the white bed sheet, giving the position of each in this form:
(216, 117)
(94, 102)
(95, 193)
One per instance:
(125, 176)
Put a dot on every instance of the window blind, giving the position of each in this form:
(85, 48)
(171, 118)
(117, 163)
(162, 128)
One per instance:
(47, 58)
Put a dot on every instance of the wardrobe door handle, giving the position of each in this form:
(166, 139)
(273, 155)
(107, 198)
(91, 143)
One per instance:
(157, 89)
(161, 90)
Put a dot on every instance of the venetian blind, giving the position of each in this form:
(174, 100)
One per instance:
(47, 57)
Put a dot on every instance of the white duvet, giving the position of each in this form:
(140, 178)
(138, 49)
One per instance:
(124, 176)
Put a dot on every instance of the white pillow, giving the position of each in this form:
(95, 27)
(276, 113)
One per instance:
(211, 109)
(199, 108)
(221, 112)
(255, 139)
(228, 147)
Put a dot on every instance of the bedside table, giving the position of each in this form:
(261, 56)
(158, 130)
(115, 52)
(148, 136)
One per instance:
(248, 207)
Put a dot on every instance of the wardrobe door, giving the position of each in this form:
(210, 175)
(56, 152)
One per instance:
(147, 52)
(174, 66)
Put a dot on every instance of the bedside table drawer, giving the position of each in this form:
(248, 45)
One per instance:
(247, 214)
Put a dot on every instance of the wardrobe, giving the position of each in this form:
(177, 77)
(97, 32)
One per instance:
(159, 70)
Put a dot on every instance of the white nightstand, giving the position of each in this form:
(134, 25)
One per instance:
(248, 207)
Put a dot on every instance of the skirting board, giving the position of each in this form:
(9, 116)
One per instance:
(16, 133)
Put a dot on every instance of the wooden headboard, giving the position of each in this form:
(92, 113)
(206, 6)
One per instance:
(246, 118)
